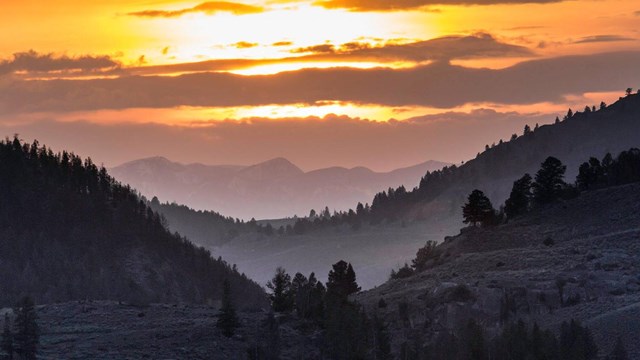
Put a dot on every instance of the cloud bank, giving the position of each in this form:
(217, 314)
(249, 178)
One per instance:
(440, 85)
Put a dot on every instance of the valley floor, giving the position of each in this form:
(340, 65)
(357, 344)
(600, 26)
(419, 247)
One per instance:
(107, 330)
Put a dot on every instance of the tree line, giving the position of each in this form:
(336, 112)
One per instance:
(69, 231)
(396, 204)
(549, 185)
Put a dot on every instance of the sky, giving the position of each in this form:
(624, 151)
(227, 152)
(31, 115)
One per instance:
(377, 83)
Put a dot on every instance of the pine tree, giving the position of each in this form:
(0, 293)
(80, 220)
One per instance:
(27, 334)
(619, 352)
(549, 183)
(342, 281)
(281, 297)
(227, 317)
(7, 338)
(478, 209)
(520, 197)
(381, 342)
(423, 255)
(344, 321)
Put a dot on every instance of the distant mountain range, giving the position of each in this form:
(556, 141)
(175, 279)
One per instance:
(271, 189)
(386, 234)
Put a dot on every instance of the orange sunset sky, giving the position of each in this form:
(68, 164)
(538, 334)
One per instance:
(377, 83)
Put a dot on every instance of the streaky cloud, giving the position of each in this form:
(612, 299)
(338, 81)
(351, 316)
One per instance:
(400, 5)
(602, 38)
(210, 7)
(476, 46)
(34, 62)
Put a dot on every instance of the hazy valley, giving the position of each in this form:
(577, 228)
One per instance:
(268, 190)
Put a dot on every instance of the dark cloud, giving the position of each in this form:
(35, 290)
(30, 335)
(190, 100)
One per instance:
(321, 49)
(210, 7)
(480, 45)
(387, 5)
(476, 46)
(32, 61)
(435, 85)
(244, 45)
(602, 38)
(318, 142)
(282, 43)
(637, 13)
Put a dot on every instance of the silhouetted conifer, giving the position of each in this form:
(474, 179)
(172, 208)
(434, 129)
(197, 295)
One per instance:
(549, 182)
(227, 318)
(478, 209)
(619, 352)
(520, 197)
(281, 295)
(27, 332)
(6, 344)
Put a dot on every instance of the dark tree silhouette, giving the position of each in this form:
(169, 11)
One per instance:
(68, 229)
(342, 281)
(549, 183)
(590, 175)
(346, 325)
(227, 317)
(478, 209)
(520, 197)
(6, 344)
(27, 332)
(576, 342)
(619, 352)
(423, 255)
(381, 342)
(282, 296)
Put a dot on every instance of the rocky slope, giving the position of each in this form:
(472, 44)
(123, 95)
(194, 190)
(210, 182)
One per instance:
(590, 271)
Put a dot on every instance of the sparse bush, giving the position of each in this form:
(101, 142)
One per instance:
(460, 293)
(382, 304)
(404, 272)
(424, 254)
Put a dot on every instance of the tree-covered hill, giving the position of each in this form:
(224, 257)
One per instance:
(69, 231)
(440, 194)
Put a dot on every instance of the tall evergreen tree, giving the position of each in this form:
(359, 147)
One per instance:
(619, 352)
(576, 342)
(520, 197)
(478, 209)
(345, 323)
(423, 255)
(282, 297)
(27, 332)
(342, 281)
(549, 183)
(227, 318)
(7, 338)
(381, 342)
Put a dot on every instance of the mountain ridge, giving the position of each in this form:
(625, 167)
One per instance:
(269, 189)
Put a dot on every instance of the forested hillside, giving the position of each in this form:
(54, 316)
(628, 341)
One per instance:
(440, 194)
(69, 231)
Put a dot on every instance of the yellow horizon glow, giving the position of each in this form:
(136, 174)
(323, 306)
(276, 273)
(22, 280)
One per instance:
(102, 27)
